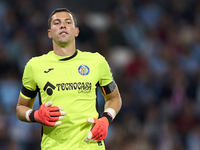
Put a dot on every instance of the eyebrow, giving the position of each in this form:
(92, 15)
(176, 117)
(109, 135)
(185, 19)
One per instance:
(59, 19)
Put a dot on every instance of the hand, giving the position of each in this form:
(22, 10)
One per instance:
(48, 115)
(99, 130)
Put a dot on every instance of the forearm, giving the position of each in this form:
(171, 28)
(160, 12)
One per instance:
(22, 106)
(113, 101)
(21, 112)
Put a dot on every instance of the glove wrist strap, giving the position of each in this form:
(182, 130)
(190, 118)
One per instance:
(108, 116)
(109, 113)
(31, 116)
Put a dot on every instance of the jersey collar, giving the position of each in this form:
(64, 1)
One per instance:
(62, 58)
(70, 57)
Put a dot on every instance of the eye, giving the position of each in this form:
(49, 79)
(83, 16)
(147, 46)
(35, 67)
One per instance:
(56, 22)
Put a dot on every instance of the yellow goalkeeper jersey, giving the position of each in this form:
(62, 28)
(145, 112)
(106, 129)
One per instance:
(69, 82)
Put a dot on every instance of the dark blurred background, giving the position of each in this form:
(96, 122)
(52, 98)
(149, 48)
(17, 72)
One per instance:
(153, 48)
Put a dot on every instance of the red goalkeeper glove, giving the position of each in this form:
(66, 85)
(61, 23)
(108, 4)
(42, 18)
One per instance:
(99, 130)
(47, 114)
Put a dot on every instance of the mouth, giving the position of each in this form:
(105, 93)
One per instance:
(63, 33)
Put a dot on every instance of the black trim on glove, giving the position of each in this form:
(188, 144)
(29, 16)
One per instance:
(108, 116)
(31, 116)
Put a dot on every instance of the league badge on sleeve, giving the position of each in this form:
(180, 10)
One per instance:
(83, 70)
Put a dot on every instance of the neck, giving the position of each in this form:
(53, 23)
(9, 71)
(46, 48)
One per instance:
(67, 50)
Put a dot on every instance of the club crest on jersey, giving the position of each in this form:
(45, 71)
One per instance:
(83, 70)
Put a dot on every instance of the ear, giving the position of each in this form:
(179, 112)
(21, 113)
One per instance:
(77, 32)
(49, 33)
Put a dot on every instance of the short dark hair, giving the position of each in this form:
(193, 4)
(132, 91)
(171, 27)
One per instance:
(61, 10)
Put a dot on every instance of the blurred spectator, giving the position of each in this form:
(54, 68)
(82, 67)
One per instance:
(150, 13)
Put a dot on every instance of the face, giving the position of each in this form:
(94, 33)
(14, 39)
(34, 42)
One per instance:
(63, 30)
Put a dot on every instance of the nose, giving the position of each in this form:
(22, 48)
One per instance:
(63, 25)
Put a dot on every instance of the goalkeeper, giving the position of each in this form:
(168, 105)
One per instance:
(66, 80)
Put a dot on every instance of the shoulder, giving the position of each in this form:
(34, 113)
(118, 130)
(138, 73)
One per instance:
(94, 55)
(38, 59)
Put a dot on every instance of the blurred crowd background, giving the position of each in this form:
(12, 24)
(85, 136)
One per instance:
(153, 48)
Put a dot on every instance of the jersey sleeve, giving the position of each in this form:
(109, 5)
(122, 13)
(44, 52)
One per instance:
(106, 82)
(105, 75)
(29, 89)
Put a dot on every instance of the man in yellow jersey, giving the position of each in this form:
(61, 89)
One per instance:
(67, 79)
